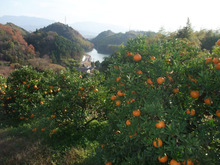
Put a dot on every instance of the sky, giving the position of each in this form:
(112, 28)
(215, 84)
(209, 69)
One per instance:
(132, 14)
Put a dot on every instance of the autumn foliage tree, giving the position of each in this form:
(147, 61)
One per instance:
(13, 47)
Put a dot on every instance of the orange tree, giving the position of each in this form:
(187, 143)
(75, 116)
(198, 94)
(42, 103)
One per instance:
(165, 98)
(80, 100)
(67, 101)
(24, 92)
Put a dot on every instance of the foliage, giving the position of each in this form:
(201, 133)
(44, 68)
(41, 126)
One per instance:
(13, 47)
(56, 47)
(108, 42)
(155, 88)
(70, 34)
(62, 99)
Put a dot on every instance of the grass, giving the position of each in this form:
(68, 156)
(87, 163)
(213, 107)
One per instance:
(19, 145)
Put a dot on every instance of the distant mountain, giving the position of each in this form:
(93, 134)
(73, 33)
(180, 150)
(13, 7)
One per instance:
(69, 33)
(27, 23)
(87, 29)
(92, 29)
(108, 42)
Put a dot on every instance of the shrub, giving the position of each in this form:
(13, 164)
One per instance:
(191, 130)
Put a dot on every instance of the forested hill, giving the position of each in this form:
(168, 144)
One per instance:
(17, 28)
(107, 42)
(19, 47)
(69, 33)
(13, 46)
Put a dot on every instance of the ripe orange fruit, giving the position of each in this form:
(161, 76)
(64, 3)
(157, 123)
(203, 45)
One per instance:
(136, 112)
(34, 129)
(149, 81)
(218, 42)
(118, 102)
(189, 162)
(23, 82)
(137, 57)
(113, 98)
(102, 146)
(194, 94)
(58, 89)
(118, 78)
(81, 88)
(119, 93)
(163, 159)
(51, 87)
(158, 142)
(128, 122)
(42, 129)
(54, 130)
(80, 76)
(208, 101)
(139, 72)
(35, 87)
(95, 90)
(175, 90)
(21, 117)
(153, 58)
(215, 60)
(160, 80)
(129, 53)
(41, 102)
(130, 101)
(117, 132)
(108, 163)
(208, 60)
(32, 115)
(169, 77)
(160, 124)
(28, 85)
(218, 112)
(218, 66)
(187, 111)
(133, 92)
(174, 162)
(191, 112)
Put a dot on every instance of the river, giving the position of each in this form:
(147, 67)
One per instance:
(97, 56)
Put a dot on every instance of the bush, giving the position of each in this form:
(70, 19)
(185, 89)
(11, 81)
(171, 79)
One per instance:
(157, 87)
(53, 102)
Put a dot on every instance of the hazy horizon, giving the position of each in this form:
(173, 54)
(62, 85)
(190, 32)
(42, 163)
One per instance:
(135, 15)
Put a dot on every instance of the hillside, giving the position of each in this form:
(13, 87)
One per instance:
(13, 46)
(108, 42)
(39, 49)
(55, 46)
(69, 33)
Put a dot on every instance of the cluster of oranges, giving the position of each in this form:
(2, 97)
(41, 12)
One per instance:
(161, 80)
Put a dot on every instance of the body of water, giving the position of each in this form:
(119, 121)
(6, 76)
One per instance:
(97, 56)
